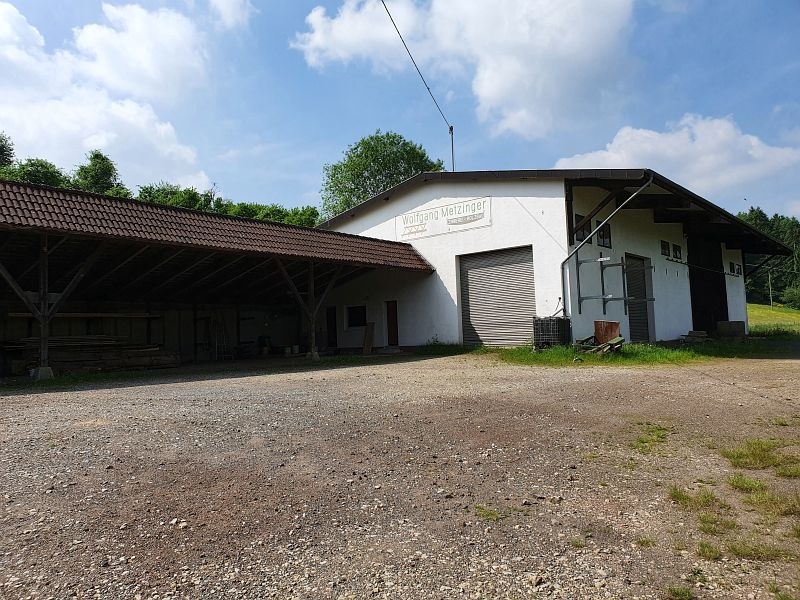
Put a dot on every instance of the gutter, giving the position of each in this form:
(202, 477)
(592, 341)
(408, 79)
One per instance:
(589, 237)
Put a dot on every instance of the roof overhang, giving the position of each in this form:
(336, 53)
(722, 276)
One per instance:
(670, 202)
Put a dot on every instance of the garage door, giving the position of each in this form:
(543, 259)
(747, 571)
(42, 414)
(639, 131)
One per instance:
(497, 297)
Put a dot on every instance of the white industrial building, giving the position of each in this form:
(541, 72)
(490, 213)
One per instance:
(503, 248)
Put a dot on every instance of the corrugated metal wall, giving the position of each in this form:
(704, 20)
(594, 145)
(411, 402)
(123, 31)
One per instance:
(497, 297)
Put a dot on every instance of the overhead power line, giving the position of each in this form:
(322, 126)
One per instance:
(427, 87)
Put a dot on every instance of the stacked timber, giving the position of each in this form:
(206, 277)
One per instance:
(86, 353)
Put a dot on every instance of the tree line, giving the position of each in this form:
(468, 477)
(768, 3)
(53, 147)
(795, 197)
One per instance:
(781, 275)
(99, 175)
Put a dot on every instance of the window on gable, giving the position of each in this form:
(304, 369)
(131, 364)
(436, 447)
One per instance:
(582, 233)
(603, 234)
(677, 251)
(665, 248)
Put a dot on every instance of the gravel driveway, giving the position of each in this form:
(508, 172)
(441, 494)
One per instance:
(454, 477)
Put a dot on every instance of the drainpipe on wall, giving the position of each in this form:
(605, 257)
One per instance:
(564, 285)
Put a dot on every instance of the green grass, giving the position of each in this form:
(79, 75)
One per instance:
(743, 483)
(772, 321)
(783, 596)
(775, 505)
(708, 551)
(645, 542)
(788, 470)
(713, 524)
(754, 454)
(652, 436)
(795, 531)
(680, 593)
(489, 514)
(704, 498)
(755, 550)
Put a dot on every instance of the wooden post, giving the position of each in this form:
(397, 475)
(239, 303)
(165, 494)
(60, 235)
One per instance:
(312, 316)
(44, 371)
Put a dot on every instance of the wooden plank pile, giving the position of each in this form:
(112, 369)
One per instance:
(87, 353)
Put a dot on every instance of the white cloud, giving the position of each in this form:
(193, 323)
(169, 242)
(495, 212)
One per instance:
(232, 13)
(534, 65)
(707, 155)
(153, 55)
(99, 93)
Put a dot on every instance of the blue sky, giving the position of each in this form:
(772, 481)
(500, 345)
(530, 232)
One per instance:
(255, 97)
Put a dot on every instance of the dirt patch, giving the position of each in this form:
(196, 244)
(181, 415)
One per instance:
(437, 478)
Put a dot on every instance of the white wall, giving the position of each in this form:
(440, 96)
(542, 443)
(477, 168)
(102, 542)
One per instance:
(632, 232)
(734, 286)
(522, 213)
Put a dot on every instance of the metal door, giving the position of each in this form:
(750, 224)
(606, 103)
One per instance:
(636, 282)
(497, 297)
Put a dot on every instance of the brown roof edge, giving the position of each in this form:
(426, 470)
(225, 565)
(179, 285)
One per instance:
(637, 174)
(45, 208)
(676, 188)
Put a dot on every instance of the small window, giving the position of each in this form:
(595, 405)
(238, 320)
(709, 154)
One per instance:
(732, 268)
(356, 316)
(738, 269)
(582, 233)
(664, 248)
(603, 234)
(676, 252)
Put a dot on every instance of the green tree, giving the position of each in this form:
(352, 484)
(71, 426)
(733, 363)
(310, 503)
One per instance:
(169, 194)
(37, 171)
(783, 272)
(100, 176)
(6, 150)
(371, 165)
(173, 195)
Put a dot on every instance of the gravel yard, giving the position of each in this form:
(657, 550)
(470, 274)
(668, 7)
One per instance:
(452, 477)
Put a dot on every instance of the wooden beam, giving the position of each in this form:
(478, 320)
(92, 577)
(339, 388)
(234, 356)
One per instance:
(569, 201)
(155, 267)
(50, 251)
(292, 286)
(328, 289)
(44, 321)
(20, 292)
(181, 273)
(108, 274)
(239, 276)
(603, 203)
(215, 272)
(76, 279)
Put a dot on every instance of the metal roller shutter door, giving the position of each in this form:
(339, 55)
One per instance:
(636, 281)
(497, 297)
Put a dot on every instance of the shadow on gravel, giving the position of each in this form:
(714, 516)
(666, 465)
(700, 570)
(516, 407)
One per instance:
(203, 372)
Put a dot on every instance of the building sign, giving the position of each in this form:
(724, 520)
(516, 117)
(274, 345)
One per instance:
(466, 214)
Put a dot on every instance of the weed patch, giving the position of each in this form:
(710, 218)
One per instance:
(490, 514)
(704, 498)
(788, 470)
(680, 593)
(645, 542)
(708, 551)
(743, 483)
(754, 454)
(755, 550)
(652, 436)
(775, 505)
(714, 524)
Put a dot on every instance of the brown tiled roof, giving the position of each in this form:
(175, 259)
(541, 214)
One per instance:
(36, 207)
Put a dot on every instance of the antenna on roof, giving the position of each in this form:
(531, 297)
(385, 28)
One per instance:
(427, 87)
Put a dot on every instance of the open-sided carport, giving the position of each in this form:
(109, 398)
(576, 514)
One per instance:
(65, 251)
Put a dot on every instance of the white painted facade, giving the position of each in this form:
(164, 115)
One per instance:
(493, 215)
